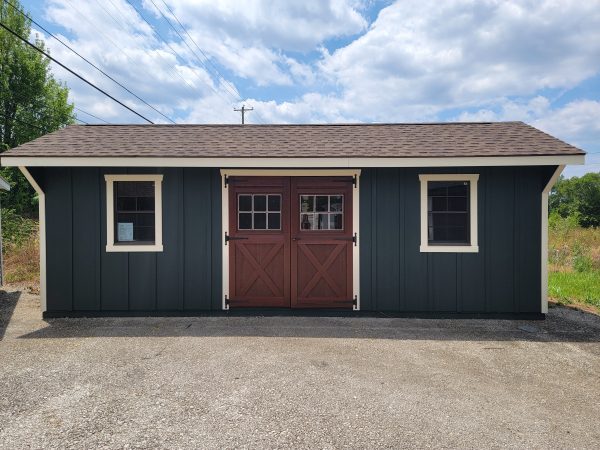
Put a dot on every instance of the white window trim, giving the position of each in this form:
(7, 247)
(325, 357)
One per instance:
(473, 247)
(110, 214)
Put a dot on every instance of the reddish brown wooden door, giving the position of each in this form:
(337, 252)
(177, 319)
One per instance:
(259, 240)
(290, 242)
(321, 268)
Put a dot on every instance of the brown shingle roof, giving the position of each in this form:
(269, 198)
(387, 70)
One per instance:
(282, 141)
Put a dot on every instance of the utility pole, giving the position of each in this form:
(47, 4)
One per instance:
(243, 110)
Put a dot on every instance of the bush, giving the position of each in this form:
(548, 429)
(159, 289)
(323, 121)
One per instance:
(582, 262)
(577, 197)
(16, 229)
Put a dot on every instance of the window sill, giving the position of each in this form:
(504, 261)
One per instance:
(449, 249)
(134, 248)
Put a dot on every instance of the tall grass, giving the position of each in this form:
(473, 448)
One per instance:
(574, 262)
(21, 249)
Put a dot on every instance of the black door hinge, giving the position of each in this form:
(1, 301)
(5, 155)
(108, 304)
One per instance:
(226, 301)
(233, 238)
(226, 180)
(355, 300)
(354, 180)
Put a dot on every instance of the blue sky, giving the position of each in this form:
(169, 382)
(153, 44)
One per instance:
(337, 61)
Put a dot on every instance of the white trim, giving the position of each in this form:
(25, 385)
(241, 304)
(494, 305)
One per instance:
(110, 224)
(297, 173)
(544, 255)
(225, 231)
(356, 248)
(109, 161)
(473, 247)
(42, 231)
(4, 185)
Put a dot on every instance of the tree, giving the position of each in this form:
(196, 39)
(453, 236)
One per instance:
(578, 197)
(32, 102)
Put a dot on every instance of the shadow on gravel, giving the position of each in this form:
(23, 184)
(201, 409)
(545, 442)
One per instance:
(8, 303)
(559, 326)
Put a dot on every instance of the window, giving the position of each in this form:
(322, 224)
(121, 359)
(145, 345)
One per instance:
(449, 213)
(259, 212)
(134, 213)
(321, 212)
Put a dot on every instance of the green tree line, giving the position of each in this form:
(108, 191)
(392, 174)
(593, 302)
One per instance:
(32, 102)
(577, 198)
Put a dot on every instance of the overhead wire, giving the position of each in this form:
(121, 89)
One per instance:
(175, 52)
(88, 61)
(229, 87)
(51, 58)
(91, 115)
(172, 70)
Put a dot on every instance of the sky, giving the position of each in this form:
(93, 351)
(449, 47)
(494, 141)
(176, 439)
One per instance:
(335, 61)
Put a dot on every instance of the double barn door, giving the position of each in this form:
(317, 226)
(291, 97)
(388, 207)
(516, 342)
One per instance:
(290, 242)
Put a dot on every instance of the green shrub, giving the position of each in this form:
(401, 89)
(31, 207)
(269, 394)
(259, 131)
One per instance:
(16, 229)
(582, 262)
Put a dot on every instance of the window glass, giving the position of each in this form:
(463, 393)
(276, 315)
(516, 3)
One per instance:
(448, 212)
(259, 212)
(134, 212)
(321, 212)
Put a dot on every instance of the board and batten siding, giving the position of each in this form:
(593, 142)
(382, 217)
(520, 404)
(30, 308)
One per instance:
(503, 277)
(82, 276)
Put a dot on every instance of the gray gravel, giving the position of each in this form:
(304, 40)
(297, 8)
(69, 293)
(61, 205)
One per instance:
(273, 382)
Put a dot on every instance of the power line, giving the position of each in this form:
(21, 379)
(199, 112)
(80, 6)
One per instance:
(73, 72)
(169, 45)
(91, 115)
(226, 83)
(89, 62)
(228, 86)
(82, 121)
(191, 88)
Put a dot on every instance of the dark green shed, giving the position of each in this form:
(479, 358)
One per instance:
(404, 219)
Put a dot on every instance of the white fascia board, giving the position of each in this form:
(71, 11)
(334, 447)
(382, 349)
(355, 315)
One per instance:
(49, 161)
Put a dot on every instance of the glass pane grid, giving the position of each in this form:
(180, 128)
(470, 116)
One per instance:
(259, 211)
(134, 212)
(322, 212)
(448, 212)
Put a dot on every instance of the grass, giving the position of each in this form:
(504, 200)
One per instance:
(21, 250)
(574, 263)
(575, 287)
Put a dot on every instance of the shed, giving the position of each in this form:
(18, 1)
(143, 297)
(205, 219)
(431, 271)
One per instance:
(437, 219)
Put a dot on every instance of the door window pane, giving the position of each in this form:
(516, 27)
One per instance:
(274, 221)
(245, 203)
(321, 212)
(260, 202)
(252, 212)
(322, 203)
(260, 221)
(245, 221)
(275, 203)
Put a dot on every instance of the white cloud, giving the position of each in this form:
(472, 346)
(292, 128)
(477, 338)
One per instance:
(461, 53)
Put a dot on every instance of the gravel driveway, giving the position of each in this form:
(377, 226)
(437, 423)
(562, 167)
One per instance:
(265, 382)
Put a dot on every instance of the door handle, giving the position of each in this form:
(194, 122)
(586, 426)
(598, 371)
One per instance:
(295, 239)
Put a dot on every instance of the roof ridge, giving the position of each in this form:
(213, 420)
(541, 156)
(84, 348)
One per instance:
(173, 125)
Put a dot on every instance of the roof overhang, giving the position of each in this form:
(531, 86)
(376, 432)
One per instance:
(471, 161)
